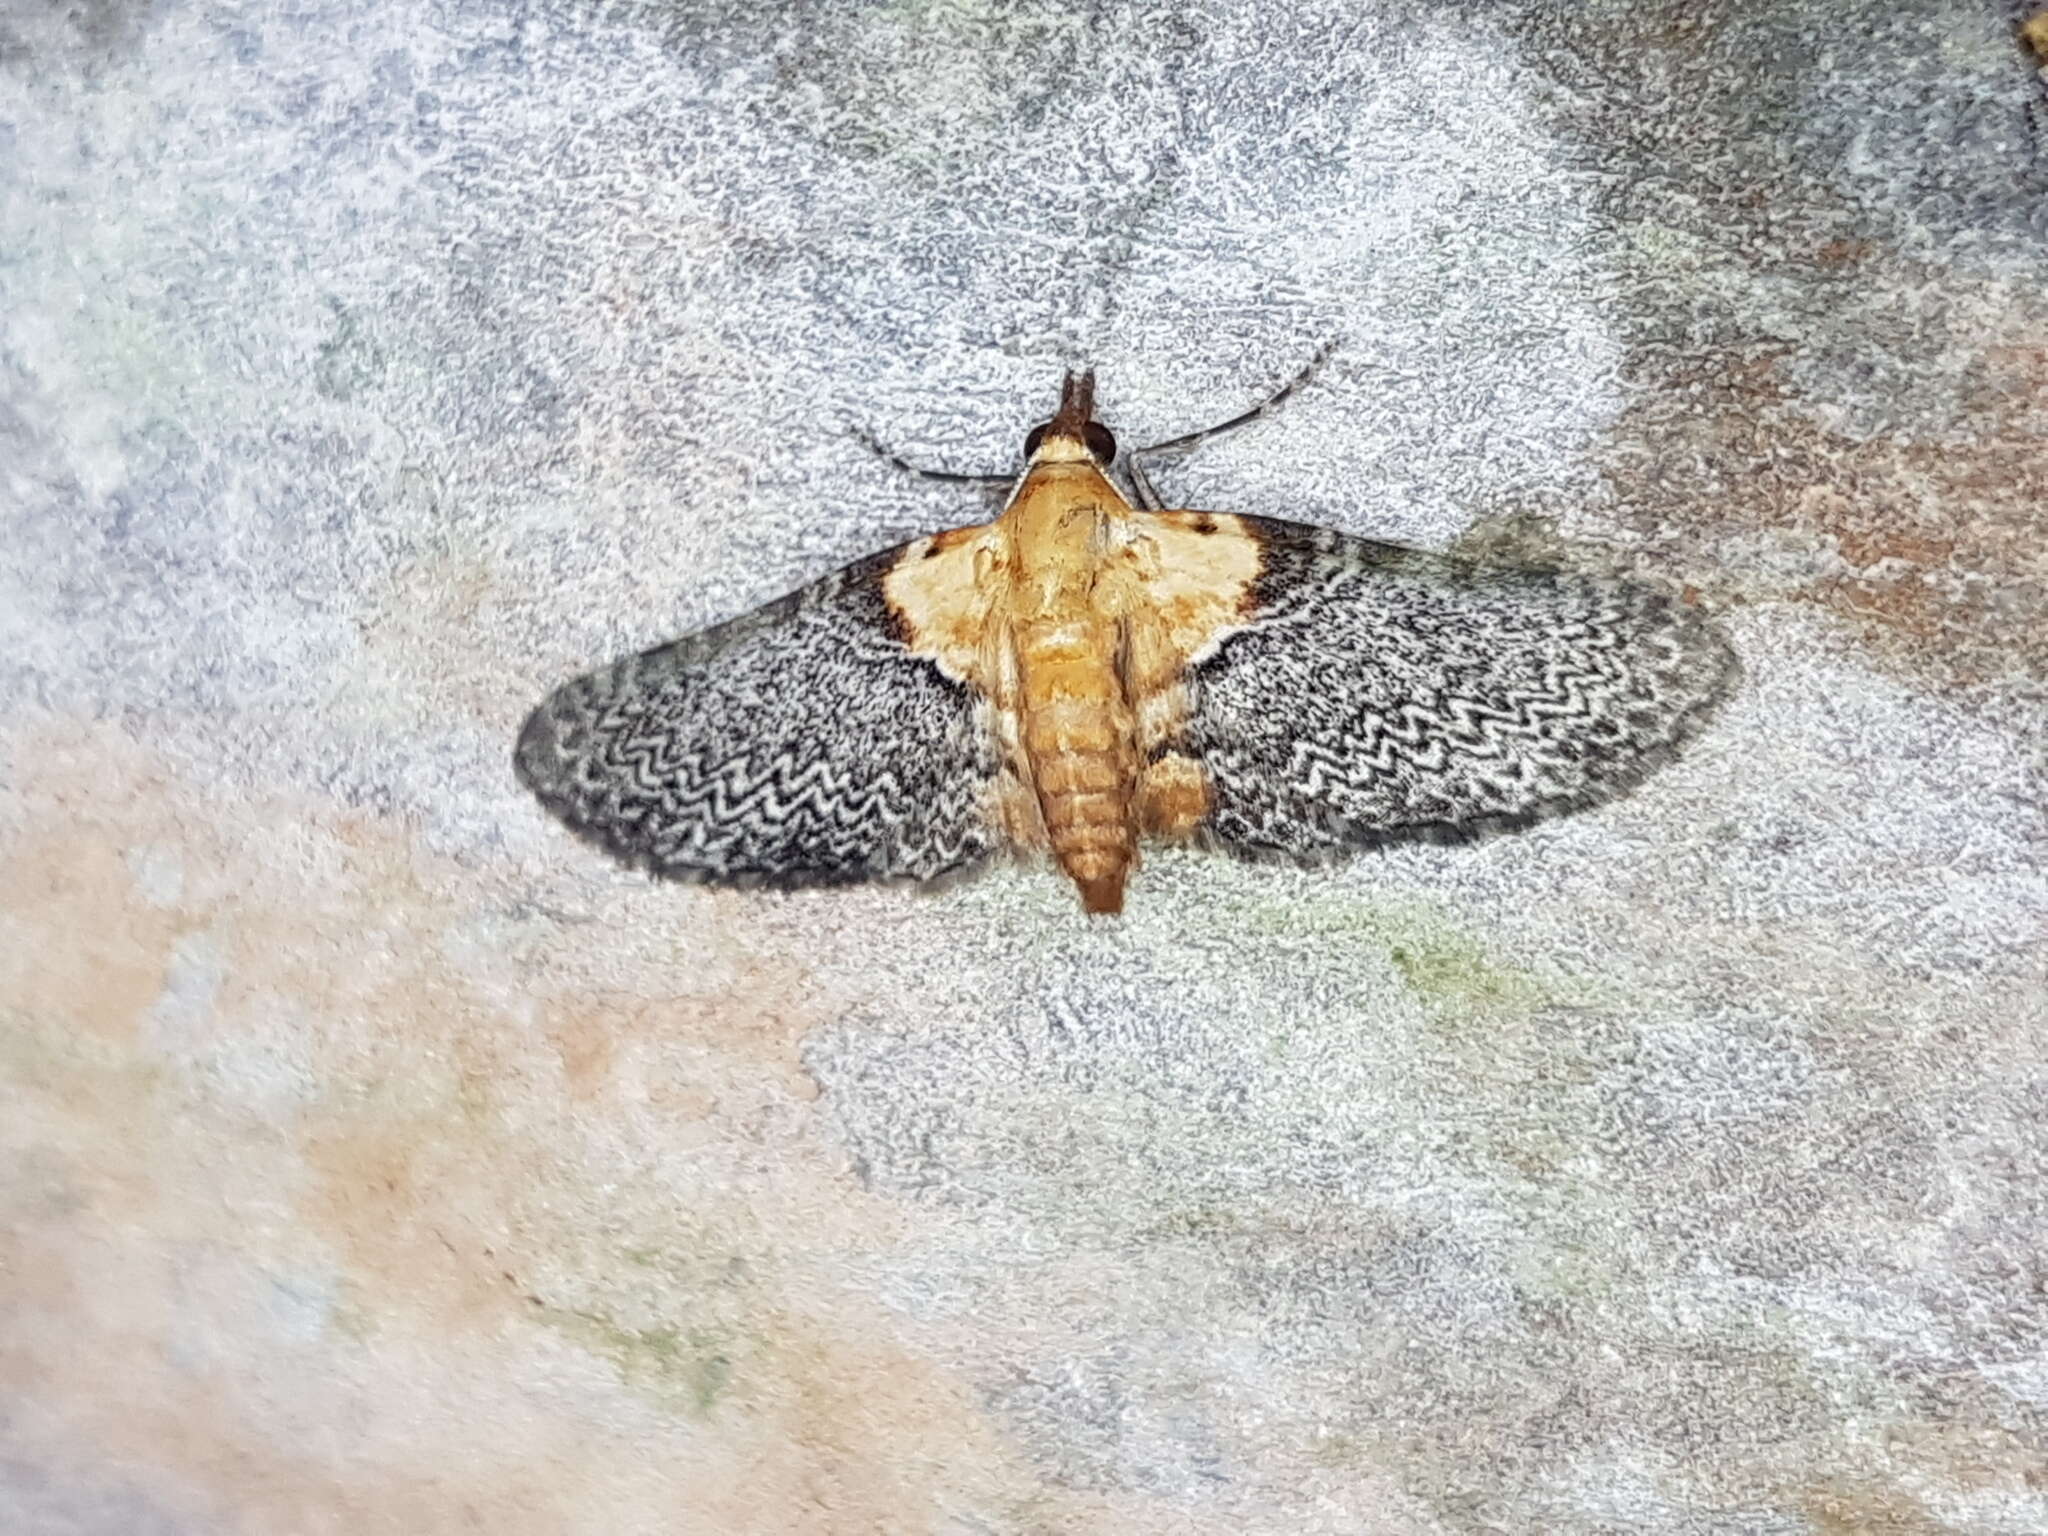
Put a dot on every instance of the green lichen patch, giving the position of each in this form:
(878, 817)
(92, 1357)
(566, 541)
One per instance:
(688, 1368)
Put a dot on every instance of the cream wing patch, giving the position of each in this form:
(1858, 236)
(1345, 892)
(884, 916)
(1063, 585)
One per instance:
(1192, 578)
(944, 591)
(947, 595)
(1200, 579)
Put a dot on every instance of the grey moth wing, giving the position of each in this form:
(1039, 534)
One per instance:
(1371, 694)
(802, 743)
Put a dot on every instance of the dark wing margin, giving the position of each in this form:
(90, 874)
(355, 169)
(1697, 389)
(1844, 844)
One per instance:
(1376, 695)
(799, 744)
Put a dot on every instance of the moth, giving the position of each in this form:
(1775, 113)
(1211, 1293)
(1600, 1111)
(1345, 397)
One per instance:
(1092, 670)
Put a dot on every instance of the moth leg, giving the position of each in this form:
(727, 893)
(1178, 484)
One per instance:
(1173, 797)
(1017, 812)
(1149, 499)
(873, 444)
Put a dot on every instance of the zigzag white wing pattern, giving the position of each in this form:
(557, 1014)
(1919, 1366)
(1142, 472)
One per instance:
(800, 744)
(1375, 695)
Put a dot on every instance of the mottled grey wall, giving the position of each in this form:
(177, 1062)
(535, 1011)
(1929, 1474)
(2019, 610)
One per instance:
(376, 1158)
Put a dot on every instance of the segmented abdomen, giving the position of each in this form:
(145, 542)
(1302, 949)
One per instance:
(1078, 737)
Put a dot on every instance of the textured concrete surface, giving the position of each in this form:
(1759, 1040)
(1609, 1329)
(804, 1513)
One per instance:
(378, 1159)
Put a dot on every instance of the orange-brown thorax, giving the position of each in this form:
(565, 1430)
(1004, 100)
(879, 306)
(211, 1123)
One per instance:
(1075, 614)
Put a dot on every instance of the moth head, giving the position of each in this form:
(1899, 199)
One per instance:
(1073, 432)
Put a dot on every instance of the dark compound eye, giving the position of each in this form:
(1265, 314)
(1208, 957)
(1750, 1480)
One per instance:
(1034, 437)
